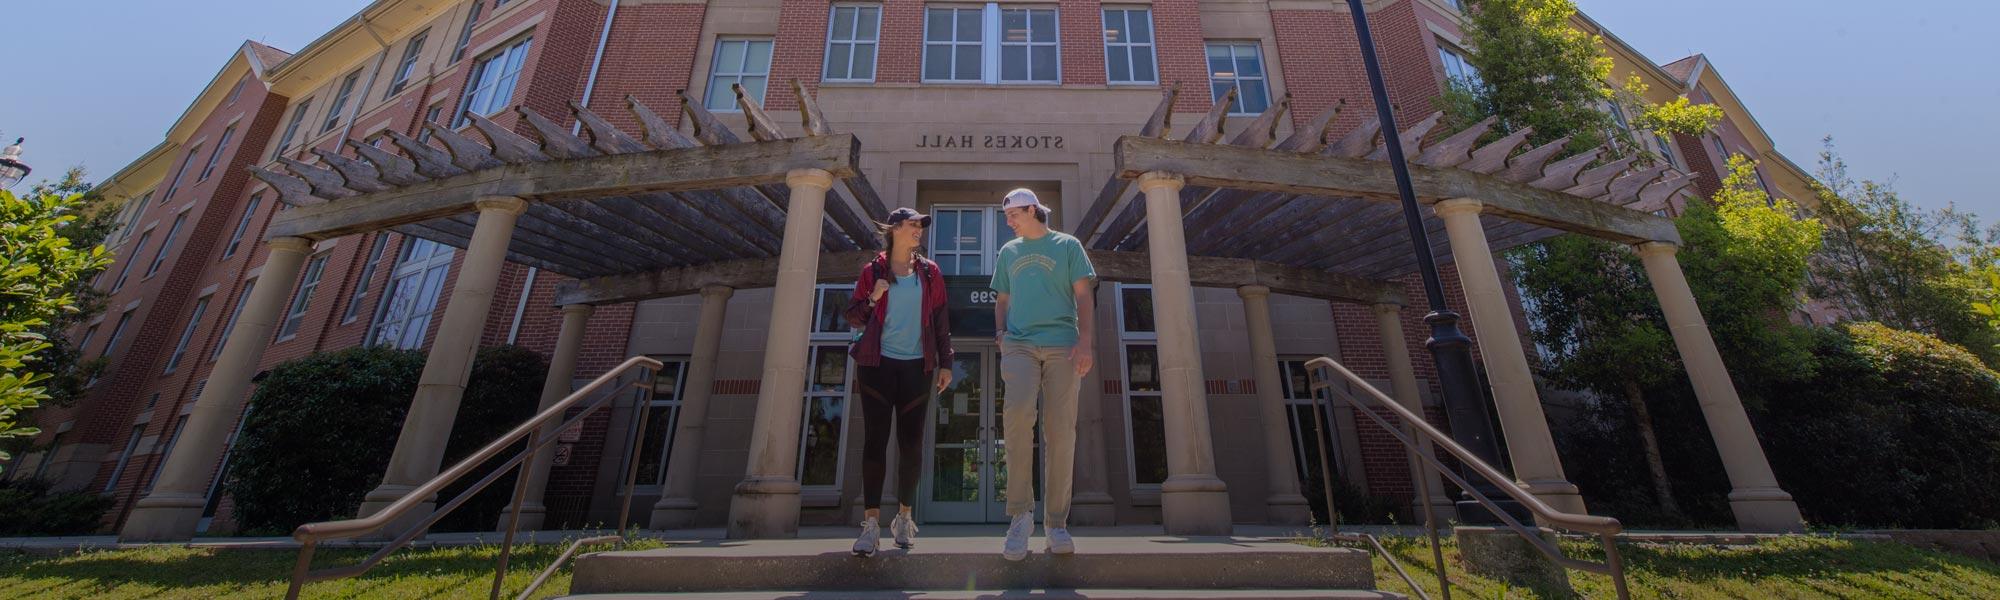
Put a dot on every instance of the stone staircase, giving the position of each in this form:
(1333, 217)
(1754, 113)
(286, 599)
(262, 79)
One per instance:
(1114, 565)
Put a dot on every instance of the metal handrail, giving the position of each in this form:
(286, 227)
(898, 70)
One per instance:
(1414, 426)
(636, 372)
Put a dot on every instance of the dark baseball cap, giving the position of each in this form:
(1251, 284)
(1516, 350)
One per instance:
(898, 216)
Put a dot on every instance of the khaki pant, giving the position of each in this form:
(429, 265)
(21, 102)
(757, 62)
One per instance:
(1047, 374)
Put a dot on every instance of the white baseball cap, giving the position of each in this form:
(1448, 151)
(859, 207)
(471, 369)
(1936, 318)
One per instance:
(1020, 197)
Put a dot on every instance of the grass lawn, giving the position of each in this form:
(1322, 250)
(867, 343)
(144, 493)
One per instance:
(189, 573)
(1795, 567)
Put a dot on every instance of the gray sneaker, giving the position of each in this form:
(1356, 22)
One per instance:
(1059, 541)
(1017, 536)
(871, 536)
(905, 530)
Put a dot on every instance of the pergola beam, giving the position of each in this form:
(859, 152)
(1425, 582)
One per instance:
(680, 170)
(1332, 176)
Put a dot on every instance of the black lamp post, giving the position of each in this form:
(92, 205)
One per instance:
(12, 170)
(1451, 350)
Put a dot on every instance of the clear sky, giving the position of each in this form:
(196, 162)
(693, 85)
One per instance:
(1908, 89)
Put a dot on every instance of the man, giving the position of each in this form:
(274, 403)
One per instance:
(1043, 318)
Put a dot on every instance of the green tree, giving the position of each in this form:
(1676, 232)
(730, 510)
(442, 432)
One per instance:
(63, 361)
(1746, 257)
(39, 268)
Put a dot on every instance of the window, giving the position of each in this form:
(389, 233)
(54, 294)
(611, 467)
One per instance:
(367, 273)
(423, 133)
(131, 446)
(84, 342)
(1238, 65)
(965, 239)
(242, 225)
(411, 295)
(302, 300)
(129, 259)
(954, 44)
(1458, 72)
(49, 456)
(230, 326)
(851, 43)
(465, 35)
(493, 81)
(187, 335)
(181, 173)
(1722, 152)
(1308, 433)
(117, 331)
(662, 418)
(1666, 151)
(292, 128)
(745, 61)
(216, 156)
(166, 451)
(166, 244)
(824, 429)
(1128, 46)
(132, 220)
(408, 65)
(236, 92)
(1028, 46)
(1146, 426)
(340, 101)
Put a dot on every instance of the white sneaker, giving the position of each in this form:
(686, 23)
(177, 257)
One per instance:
(905, 530)
(1059, 542)
(1017, 536)
(871, 536)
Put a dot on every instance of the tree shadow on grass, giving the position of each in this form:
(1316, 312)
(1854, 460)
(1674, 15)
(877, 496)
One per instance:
(1799, 559)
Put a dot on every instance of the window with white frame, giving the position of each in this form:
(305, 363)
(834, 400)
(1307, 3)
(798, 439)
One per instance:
(340, 101)
(851, 42)
(236, 92)
(132, 220)
(828, 373)
(493, 79)
(1128, 46)
(662, 420)
(166, 244)
(965, 239)
(166, 451)
(126, 270)
(954, 44)
(49, 456)
(124, 458)
(215, 157)
(242, 225)
(230, 326)
(738, 60)
(465, 34)
(302, 300)
(367, 275)
(1145, 422)
(1238, 66)
(1458, 71)
(1029, 46)
(181, 173)
(292, 128)
(1308, 433)
(412, 294)
(117, 332)
(187, 335)
(430, 116)
(408, 65)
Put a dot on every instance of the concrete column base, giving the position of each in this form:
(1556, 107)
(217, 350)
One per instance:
(1288, 509)
(380, 498)
(533, 516)
(1500, 553)
(1559, 494)
(163, 518)
(1195, 505)
(1768, 510)
(673, 513)
(1092, 509)
(764, 509)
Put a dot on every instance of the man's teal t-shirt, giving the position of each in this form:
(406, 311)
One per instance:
(1037, 276)
(903, 332)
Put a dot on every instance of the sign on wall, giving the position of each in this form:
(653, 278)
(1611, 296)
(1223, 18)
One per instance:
(971, 304)
(989, 141)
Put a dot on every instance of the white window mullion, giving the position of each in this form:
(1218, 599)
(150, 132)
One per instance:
(990, 43)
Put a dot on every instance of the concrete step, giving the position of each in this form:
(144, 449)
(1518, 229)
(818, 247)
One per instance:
(1056, 594)
(974, 563)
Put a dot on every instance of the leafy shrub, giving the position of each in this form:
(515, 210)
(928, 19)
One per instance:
(1354, 505)
(322, 428)
(27, 507)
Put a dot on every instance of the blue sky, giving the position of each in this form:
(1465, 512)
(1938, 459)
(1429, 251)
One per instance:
(1907, 89)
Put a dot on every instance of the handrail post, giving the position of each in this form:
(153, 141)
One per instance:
(641, 401)
(514, 511)
(1430, 517)
(1323, 426)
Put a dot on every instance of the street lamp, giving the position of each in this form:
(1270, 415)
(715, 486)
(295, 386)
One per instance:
(1451, 350)
(11, 167)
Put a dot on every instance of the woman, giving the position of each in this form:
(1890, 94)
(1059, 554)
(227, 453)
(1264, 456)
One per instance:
(899, 307)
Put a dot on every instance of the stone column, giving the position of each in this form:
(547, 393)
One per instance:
(420, 447)
(173, 510)
(1193, 501)
(1403, 382)
(562, 373)
(1533, 451)
(1091, 504)
(766, 503)
(676, 506)
(1284, 506)
(1759, 504)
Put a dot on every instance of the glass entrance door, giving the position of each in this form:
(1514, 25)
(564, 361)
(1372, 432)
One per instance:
(967, 469)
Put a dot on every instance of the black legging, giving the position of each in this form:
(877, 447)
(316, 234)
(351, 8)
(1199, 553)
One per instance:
(896, 392)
